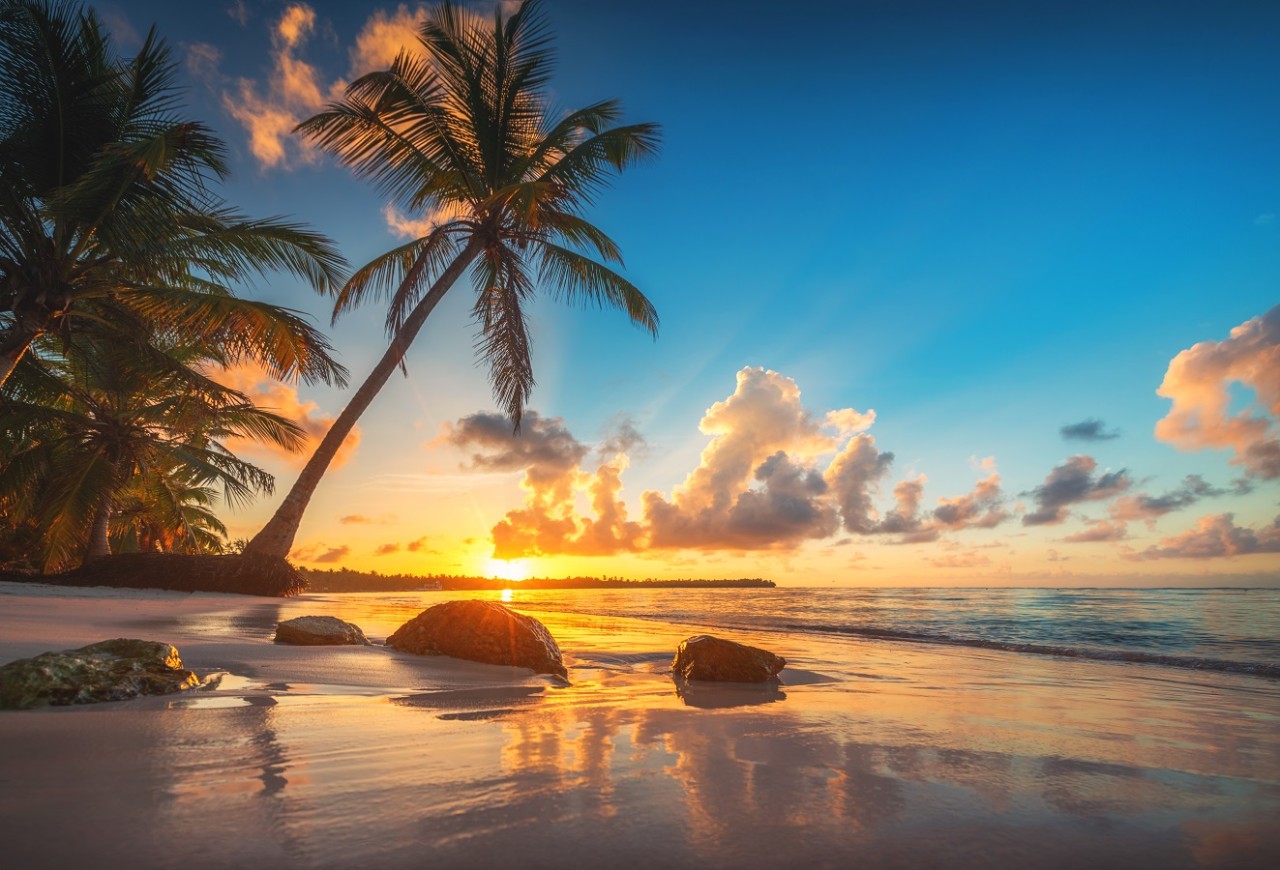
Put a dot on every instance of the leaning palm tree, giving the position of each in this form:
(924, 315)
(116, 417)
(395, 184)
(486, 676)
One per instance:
(110, 425)
(106, 214)
(465, 129)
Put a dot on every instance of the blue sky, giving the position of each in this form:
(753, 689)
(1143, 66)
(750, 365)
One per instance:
(984, 221)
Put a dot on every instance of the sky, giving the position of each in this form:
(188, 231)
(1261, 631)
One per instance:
(951, 294)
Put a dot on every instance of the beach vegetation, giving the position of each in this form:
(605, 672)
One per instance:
(463, 131)
(108, 215)
(118, 446)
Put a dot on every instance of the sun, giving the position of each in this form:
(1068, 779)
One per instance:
(514, 570)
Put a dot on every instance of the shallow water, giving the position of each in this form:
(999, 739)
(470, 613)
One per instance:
(871, 752)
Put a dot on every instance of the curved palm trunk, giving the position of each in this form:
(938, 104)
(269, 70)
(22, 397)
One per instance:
(13, 344)
(276, 537)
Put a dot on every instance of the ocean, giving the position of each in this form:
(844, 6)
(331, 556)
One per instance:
(1231, 630)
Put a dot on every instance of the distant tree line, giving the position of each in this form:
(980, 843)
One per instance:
(348, 580)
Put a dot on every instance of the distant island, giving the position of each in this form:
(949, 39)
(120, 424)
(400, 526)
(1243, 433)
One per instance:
(347, 580)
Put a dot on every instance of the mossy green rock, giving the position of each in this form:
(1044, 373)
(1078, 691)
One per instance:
(112, 670)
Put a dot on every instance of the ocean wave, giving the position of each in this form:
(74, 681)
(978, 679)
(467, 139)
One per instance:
(1259, 669)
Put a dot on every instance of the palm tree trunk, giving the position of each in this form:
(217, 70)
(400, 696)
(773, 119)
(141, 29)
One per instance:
(276, 537)
(13, 344)
(99, 542)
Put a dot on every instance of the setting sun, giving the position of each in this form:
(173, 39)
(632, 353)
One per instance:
(514, 570)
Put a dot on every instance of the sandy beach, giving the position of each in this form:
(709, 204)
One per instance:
(870, 753)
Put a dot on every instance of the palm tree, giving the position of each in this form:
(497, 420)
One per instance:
(112, 425)
(467, 129)
(106, 215)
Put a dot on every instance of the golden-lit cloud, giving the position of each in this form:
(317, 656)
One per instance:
(1216, 536)
(320, 554)
(772, 476)
(282, 399)
(291, 93)
(385, 35)
(1199, 382)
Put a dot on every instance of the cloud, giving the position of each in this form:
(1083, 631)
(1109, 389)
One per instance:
(1198, 382)
(1088, 430)
(120, 27)
(386, 549)
(743, 494)
(419, 544)
(319, 554)
(624, 437)
(292, 92)
(383, 37)
(1070, 483)
(282, 399)
(1099, 531)
(1216, 536)
(404, 227)
(201, 60)
(239, 12)
(1149, 508)
(961, 560)
(772, 476)
(354, 519)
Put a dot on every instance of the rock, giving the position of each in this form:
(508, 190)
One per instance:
(112, 670)
(319, 631)
(481, 631)
(704, 657)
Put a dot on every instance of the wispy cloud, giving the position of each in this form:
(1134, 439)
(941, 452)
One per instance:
(1088, 430)
(1198, 382)
(321, 554)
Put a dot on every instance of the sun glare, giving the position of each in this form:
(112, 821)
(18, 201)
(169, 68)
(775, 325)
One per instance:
(514, 570)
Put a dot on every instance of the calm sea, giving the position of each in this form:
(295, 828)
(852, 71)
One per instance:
(1236, 630)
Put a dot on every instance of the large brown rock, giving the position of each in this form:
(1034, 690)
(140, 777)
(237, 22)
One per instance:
(704, 657)
(481, 631)
(319, 631)
(112, 670)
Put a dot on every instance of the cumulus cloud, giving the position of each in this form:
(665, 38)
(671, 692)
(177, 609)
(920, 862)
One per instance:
(386, 549)
(1088, 430)
(1199, 382)
(1070, 483)
(743, 494)
(773, 475)
(1216, 536)
(282, 399)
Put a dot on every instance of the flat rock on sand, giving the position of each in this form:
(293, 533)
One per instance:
(481, 631)
(111, 670)
(319, 631)
(704, 657)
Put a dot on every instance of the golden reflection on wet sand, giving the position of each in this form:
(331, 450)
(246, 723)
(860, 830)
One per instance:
(876, 754)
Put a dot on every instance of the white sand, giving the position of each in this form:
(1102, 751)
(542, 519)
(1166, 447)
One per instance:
(870, 754)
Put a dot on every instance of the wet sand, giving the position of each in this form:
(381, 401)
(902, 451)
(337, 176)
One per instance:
(870, 753)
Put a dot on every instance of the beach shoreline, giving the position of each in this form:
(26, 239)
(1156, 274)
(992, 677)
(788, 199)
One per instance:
(870, 751)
